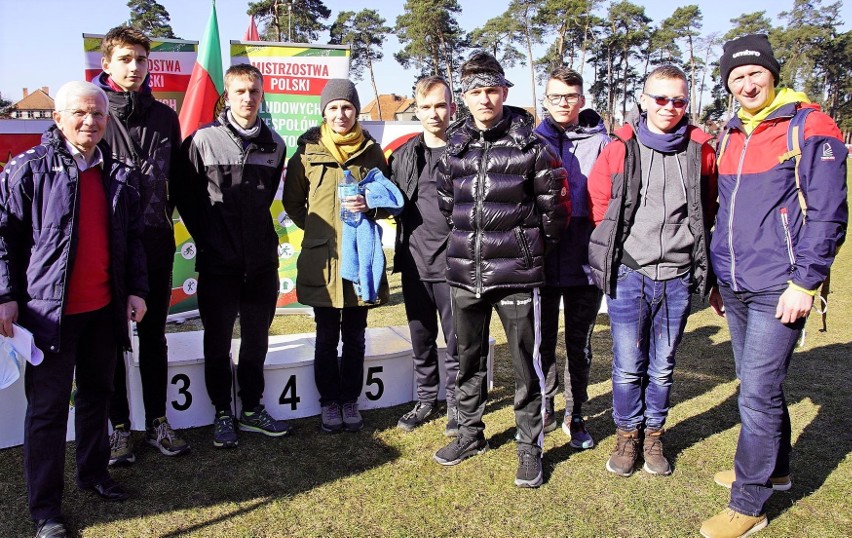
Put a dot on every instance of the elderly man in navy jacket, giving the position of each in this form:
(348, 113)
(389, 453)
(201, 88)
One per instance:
(72, 271)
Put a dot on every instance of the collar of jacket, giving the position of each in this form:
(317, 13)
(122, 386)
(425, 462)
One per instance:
(53, 138)
(124, 104)
(516, 126)
(783, 112)
(263, 140)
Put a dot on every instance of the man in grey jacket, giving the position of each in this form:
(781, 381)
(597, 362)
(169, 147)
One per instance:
(653, 196)
(232, 172)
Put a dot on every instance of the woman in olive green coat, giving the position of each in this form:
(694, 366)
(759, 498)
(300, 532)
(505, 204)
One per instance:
(311, 201)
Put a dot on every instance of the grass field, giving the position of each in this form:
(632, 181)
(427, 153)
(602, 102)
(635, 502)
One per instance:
(383, 482)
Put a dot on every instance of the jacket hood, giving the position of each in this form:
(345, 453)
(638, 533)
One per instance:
(785, 104)
(123, 104)
(590, 124)
(516, 124)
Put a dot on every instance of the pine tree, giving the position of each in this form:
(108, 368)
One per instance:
(151, 18)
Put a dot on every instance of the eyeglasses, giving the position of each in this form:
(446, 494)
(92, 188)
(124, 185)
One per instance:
(81, 114)
(677, 102)
(570, 98)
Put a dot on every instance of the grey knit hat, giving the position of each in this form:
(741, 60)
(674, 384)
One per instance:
(339, 88)
(751, 49)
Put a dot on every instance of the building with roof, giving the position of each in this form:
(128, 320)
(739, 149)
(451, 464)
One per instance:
(37, 105)
(393, 108)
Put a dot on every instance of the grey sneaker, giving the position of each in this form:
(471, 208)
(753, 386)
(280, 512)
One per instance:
(260, 421)
(331, 419)
(549, 422)
(352, 420)
(120, 452)
(623, 457)
(460, 449)
(575, 428)
(225, 431)
(655, 460)
(162, 437)
(529, 473)
(417, 416)
(452, 429)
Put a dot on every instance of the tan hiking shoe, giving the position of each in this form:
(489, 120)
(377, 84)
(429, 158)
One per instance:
(624, 455)
(652, 451)
(779, 483)
(732, 524)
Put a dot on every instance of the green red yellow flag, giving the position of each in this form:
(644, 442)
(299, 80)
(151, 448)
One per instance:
(206, 84)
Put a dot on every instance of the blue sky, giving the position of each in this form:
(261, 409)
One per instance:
(47, 49)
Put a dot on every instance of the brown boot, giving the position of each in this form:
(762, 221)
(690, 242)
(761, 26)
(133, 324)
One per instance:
(624, 455)
(655, 460)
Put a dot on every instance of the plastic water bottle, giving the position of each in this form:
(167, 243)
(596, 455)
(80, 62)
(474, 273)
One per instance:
(347, 187)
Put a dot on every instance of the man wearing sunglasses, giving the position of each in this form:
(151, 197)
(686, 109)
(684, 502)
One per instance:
(578, 138)
(770, 262)
(653, 199)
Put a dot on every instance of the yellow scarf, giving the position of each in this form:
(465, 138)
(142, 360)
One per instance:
(783, 96)
(342, 146)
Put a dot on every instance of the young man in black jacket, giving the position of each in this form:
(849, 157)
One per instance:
(505, 195)
(421, 253)
(231, 173)
(145, 134)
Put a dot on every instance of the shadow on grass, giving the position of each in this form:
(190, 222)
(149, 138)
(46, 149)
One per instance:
(259, 471)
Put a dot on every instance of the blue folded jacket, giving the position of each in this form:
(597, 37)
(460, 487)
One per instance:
(362, 260)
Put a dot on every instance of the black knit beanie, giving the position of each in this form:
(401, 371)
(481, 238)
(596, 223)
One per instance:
(339, 88)
(747, 50)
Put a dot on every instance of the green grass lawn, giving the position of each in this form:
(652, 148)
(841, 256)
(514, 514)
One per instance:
(383, 482)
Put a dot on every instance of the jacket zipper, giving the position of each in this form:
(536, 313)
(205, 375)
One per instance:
(787, 237)
(477, 244)
(731, 216)
(68, 266)
(522, 241)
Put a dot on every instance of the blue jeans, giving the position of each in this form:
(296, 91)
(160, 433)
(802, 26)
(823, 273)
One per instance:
(647, 318)
(763, 347)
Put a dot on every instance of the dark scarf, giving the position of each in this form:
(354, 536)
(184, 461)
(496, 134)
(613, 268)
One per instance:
(673, 142)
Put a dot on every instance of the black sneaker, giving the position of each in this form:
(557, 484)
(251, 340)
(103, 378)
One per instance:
(460, 449)
(416, 417)
(452, 429)
(225, 431)
(529, 473)
(549, 423)
(259, 421)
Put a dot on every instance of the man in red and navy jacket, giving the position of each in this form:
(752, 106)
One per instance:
(769, 260)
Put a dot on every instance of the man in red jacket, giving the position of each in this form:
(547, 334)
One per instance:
(653, 193)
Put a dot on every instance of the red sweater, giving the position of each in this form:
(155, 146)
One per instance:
(88, 287)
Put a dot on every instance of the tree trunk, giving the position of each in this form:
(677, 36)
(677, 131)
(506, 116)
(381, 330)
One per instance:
(692, 82)
(532, 76)
(375, 88)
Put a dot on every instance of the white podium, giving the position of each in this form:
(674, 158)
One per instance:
(291, 392)
(13, 407)
(187, 402)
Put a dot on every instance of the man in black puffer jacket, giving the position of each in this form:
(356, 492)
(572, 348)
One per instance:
(145, 134)
(505, 195)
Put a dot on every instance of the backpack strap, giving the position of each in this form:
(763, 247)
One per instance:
(723, 143)
(795, 141)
